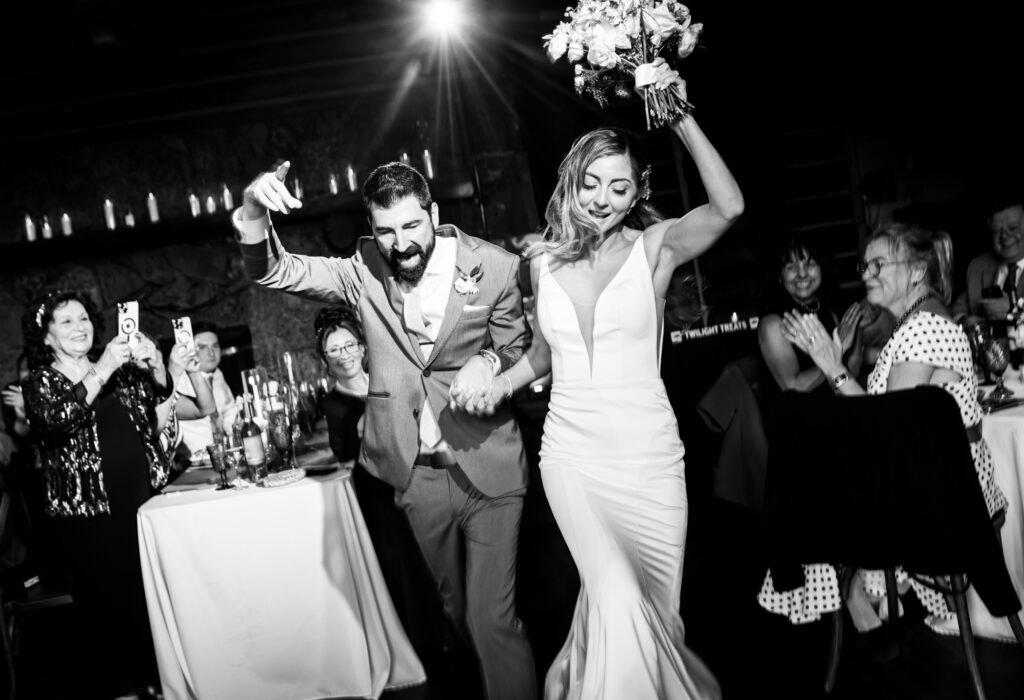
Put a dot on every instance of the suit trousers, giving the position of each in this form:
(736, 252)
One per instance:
(455, 523)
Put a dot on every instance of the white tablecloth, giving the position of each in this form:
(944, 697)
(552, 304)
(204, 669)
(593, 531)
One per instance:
(270, 593)
(1004, 433)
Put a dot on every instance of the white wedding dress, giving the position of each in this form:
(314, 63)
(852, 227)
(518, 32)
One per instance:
(612, 466)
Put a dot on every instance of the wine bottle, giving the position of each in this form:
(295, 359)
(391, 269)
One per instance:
(252, 441)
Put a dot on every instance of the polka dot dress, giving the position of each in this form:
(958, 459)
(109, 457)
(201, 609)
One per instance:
(933, 340)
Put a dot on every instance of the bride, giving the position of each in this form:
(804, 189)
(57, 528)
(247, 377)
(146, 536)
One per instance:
(611, 457)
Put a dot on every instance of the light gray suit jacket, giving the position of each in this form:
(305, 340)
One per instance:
(489, 449)
(982, 272)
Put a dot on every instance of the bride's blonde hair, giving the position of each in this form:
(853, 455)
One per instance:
(569, 232)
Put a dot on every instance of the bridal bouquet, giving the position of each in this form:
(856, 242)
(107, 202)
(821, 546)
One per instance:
(618, 40)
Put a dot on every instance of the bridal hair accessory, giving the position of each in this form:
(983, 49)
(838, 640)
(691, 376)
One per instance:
(619, 40)
(645, 183)
(39, 314)
(466, 284)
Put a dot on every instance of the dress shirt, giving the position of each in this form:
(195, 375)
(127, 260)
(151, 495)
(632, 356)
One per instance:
(433, 291)
(197, 434)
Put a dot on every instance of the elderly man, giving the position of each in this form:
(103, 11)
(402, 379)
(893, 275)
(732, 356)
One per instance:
(993, 277)
(198, 433)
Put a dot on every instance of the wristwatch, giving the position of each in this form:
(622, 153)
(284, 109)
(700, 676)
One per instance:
(839, 380)
(493, 358)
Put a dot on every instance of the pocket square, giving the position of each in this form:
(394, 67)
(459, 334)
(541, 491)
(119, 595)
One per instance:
(472, 307)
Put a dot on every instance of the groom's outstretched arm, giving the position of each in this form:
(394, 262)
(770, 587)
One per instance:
(270, 265)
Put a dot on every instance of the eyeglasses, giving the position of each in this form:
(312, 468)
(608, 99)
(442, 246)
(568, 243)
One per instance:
(874, 267)
(349, 348)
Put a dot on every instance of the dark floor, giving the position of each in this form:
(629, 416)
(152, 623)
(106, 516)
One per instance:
(753, 654)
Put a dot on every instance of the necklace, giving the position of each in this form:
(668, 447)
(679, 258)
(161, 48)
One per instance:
(810, 307)
(906, 314)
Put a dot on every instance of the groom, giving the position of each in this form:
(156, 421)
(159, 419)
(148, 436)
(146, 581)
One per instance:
(438, 307)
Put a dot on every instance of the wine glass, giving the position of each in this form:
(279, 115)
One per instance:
(281, 435)
(996, 354)
(219, 460)
(978, 333)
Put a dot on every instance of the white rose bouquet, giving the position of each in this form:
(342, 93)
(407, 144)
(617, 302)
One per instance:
(619, 39)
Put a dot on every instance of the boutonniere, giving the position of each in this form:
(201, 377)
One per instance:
(466, 283)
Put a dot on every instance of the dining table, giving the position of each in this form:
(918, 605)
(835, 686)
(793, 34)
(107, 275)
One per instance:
(1003, 430)
(269, 592)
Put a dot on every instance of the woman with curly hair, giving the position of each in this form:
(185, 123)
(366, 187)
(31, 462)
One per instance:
(93, 415)
(342, 347)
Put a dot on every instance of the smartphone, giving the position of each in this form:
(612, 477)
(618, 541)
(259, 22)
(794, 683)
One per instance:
(128, 322)
(183, 333)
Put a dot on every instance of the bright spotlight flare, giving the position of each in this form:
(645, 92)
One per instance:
(619, 40)
(443, 16)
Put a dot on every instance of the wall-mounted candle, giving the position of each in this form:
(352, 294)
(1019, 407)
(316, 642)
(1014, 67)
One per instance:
(297, 188)
(211, 204)
(108, 214)
(332, 183)
(65, 224)
(154, 213)
(404, 158)
(428, 165)
(193, 205)
(129, 219)
(30, 228)
(47, 230)
(226, 199)
(350, 176)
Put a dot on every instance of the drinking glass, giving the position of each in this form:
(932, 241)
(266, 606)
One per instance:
(281, 435)
(218, 457)
(997, 358)
(978, 334)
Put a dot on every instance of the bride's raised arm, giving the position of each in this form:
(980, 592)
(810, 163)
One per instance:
(691, 235)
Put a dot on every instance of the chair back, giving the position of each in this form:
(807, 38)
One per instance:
(877, 482)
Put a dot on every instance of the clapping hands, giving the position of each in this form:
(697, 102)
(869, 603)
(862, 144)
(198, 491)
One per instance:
(806, 332)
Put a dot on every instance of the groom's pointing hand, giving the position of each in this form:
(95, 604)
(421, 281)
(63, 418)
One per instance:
(268, 191)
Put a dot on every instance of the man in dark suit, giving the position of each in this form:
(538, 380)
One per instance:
(992, 276)
(438, 308)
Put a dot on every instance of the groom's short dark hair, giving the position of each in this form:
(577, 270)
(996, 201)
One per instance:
(391, 182)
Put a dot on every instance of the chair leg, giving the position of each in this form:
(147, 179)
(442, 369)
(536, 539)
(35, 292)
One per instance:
(892, 595)
(1018, 630)
(837, 649)
(963, 619)
(5, 640)
(846, 574)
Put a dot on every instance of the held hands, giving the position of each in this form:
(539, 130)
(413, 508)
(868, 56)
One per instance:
(268, 191)
(474, 389)
(806, 332)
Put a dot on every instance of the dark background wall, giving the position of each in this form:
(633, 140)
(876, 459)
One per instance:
(832, 116)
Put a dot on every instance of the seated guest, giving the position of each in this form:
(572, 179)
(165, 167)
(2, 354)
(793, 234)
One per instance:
(176, 407)
(342, 346)
(906, 270)
(93, 416)
(800, 291)
(993, 276)
(197, 433)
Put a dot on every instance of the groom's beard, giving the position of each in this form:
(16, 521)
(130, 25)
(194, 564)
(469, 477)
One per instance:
(410, 275)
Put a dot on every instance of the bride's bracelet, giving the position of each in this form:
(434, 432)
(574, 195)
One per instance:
(508, 394)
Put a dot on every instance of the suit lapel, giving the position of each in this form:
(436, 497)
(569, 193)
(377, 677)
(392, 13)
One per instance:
(466, 260)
